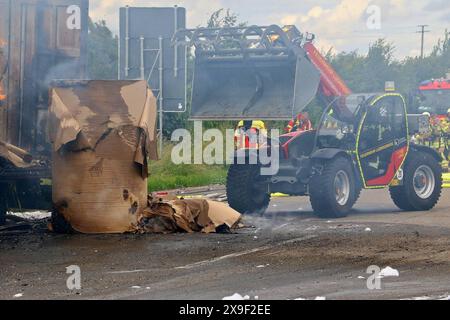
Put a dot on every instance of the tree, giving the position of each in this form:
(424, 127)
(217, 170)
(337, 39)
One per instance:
(223, 19)
(102, 51)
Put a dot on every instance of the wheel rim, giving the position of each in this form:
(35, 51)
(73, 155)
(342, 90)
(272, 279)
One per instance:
(424, 182)
(342, 187)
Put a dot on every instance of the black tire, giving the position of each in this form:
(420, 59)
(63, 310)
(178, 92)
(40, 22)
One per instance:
(243, 192)
(405, 197)
(322, 190)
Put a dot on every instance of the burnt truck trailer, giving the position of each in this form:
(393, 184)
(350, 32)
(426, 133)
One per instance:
(40, 41)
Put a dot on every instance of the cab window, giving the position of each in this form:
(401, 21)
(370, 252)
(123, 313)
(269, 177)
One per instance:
(383, 128)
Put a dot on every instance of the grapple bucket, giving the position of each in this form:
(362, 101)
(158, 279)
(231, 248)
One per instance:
(250, 73)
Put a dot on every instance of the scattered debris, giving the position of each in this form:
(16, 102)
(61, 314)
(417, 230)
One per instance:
(17, 156)
(188, 216)
(320, 298)
(135, 287)
(389, 272)
(236, 297)
(19, 295)
(361, 277)
(368, 230)
(21, 226)
(29, 215)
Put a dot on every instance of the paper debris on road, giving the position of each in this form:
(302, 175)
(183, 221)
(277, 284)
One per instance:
(192, 215)
(389, 272)
(236, 297)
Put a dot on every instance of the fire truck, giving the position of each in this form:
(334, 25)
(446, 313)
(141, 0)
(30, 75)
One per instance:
(433, 96)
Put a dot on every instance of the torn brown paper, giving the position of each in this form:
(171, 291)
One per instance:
(102, 132)
(188, 216)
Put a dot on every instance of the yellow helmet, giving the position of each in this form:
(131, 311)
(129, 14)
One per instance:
(257, 124)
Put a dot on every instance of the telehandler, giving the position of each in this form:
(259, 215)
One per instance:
(362, 140)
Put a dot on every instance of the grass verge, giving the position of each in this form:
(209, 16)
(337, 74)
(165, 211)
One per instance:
(165, 175)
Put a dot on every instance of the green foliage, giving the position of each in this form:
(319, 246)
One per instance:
(102, 51)
(368, 73)
(362, 73)
(224, 18)
(165, 175)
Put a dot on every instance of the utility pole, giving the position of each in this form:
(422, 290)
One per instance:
(422, 31)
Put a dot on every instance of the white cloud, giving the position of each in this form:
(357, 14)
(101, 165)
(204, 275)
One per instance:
(340, 24)
(198, 11)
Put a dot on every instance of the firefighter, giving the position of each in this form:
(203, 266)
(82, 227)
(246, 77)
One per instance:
(445, 124)
(425, 138)
(2, 96)
(248, 133)
(300, 123)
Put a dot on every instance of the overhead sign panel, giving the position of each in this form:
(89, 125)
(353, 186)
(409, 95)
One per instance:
(146, 52)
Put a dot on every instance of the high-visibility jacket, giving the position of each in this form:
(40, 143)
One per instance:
(300, 123)
(256, 124)
(249, 139)
(2, 96)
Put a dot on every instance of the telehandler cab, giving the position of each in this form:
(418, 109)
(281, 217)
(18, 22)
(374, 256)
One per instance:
(362, 141)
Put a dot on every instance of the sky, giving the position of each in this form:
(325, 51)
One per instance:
(340, 25)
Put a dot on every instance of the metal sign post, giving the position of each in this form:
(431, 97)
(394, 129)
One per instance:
(146, 52)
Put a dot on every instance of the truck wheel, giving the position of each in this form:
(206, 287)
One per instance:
(422, 185)
(245, 190)
(334, 192)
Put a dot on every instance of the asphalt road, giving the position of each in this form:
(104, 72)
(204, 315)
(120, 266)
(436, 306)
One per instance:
(287, 254)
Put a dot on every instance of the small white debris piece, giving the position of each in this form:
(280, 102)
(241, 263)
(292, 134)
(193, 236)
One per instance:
(261, 266)
(148, 288)
(424, 298)
(299, 299)
(361, 277)
(320, 298)
(256, 297)
(445, 298)
(135, 287)
(368, 230)
(255, 237)
(388, 272)
(19, 295)
(236, 297)
(31, 215)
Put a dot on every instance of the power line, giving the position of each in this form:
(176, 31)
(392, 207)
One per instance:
(422, 31)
